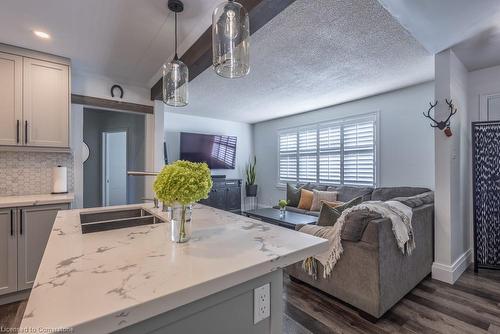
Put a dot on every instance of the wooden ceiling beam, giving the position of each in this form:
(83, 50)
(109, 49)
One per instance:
(199, 56)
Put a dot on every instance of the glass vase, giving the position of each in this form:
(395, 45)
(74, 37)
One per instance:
(180, 223)
(282, 212)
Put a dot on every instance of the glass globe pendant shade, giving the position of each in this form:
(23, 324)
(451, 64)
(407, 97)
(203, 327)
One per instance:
(175, 83)
(231, 40)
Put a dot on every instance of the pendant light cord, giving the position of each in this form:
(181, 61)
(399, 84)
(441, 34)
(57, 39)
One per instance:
(175, 38)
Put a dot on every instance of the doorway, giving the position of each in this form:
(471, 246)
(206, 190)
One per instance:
(114, 168)
(119, 131)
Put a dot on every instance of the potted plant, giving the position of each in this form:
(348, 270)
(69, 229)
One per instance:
(282, 204)
(251, 187)
(179, 185)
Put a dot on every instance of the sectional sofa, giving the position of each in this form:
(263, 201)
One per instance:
(372, 274)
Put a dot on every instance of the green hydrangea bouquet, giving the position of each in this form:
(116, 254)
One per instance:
(178, 185)
(183, 182)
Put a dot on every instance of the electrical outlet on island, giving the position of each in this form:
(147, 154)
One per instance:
(261, 303)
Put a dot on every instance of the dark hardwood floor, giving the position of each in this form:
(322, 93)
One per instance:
(471, 305)
(11, 316)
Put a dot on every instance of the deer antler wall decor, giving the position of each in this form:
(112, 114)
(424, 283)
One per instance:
(442, 125)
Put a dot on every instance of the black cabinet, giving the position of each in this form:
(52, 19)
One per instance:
(225, 195)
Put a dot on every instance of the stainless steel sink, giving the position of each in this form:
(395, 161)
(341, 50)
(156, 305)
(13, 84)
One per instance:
(111, 220)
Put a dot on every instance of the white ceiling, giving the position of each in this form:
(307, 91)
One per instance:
(315, 54)
(127, 40)
(471, 27)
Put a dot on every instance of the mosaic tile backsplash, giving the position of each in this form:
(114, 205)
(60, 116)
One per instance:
(30, 173)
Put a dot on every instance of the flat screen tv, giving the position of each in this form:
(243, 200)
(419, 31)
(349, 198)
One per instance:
(219, 152)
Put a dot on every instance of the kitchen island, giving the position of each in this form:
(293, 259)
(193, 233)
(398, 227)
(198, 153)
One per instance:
(135, 280)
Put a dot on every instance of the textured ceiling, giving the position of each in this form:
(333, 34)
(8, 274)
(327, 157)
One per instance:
(127, 40)
(315, 54)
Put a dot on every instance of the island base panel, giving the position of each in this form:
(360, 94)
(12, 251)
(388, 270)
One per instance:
(229, 311)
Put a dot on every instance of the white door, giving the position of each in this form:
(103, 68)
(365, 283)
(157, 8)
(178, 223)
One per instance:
(11, 99)
(46, 103)
(114, 168)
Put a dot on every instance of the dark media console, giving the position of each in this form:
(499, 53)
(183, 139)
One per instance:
(225, 195)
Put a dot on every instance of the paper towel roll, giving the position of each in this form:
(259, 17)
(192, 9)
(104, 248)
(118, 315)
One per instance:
(59, 180)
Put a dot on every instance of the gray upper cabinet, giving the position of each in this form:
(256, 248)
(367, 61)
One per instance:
(8, 252)
(35, 225)
(45, 104)
(34, 99)
(11, 102)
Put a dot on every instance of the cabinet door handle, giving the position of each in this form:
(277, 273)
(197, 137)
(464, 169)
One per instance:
(26, 132)
(11, 222)
(17, 131)
(21, 222)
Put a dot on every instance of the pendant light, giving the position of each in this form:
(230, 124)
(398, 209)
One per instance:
(175, 73)
(231, 40)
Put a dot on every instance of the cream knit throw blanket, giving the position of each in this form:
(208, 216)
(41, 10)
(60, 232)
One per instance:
(399, 214)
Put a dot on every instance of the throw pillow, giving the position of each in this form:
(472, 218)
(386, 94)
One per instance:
(319, 196)
(331, 214)
(328, 216)
(355, 224)
(332, 204)
(306, 198)
(293, 194)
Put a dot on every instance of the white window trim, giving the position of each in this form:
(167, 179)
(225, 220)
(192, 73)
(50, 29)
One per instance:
(377, 148)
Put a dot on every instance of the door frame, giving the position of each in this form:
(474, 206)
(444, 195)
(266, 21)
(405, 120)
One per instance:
(103, 161)
(484, 114)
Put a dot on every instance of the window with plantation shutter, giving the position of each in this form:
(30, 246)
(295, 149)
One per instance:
(330, 153)
(288, 157)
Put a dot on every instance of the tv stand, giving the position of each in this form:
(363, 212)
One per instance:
(225, 194)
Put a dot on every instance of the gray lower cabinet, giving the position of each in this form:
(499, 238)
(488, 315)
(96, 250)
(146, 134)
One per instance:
(8, 252)
(24, 233)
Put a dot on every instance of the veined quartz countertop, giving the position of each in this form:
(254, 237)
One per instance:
(104, 281)
(29, 200)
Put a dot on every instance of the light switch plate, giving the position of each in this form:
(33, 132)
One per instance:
(261, 303)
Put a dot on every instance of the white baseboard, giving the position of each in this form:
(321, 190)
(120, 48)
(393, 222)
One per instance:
(450, 274)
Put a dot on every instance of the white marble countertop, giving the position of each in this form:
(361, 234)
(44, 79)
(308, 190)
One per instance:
(104, 281)
(29, 200)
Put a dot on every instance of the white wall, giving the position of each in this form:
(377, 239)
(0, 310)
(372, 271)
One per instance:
(406, 141)
(176, 123)
(95, 85)
(452, 224)
(482, 82)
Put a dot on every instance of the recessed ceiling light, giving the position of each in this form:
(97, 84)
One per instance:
(41, 34)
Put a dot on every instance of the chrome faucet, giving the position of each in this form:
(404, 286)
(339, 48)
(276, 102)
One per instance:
(135, 173)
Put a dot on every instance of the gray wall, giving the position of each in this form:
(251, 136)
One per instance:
(406, 141)
(177, 123)
(95, 122)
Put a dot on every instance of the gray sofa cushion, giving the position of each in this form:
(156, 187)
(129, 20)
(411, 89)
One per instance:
(328, 215)
(417, 200)
(311, 187)
(355, 224)
(293, 194)
(347, 193)
(388, 193)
